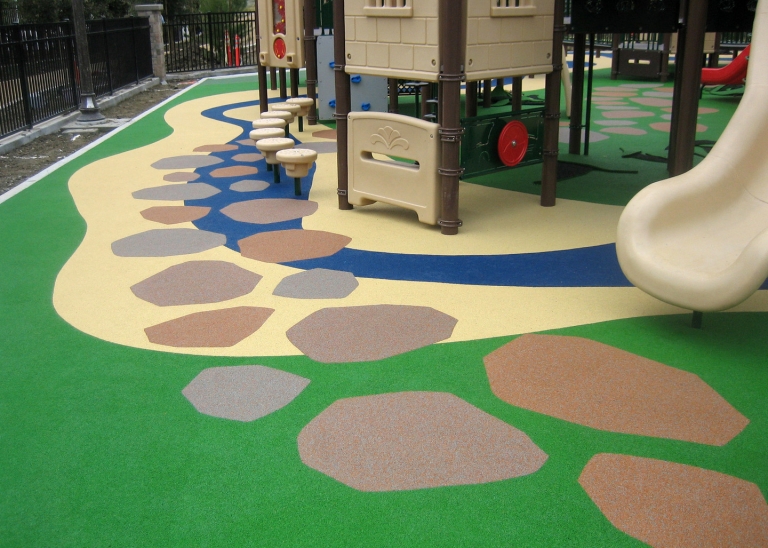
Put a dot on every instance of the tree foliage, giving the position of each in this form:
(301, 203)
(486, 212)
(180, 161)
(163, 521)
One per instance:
(51, 11)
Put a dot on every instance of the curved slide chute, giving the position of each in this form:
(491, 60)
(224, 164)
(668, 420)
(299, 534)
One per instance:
(731, 74)
(700, 240)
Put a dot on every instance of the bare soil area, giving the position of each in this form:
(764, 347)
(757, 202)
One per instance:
(19, 164)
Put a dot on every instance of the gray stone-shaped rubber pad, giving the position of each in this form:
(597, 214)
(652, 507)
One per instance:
(167, 243)
(318, 283)
(321, 147)
(186, 162)
(249, 185)
(189, 191)
(244, 392)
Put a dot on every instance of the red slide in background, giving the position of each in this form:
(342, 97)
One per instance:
(733, 73)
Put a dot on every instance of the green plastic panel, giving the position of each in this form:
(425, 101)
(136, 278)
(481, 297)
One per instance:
(479, 146)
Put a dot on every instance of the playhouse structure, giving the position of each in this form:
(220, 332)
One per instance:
(445, 42)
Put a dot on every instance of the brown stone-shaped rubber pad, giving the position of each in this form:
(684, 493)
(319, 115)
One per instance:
(624, 130)
(325, 134)
(196, 282)
(367, 333)
(415, 440)
(271, 210)
(670, 505)
(246, 143)
(215, 328)
(167, 242)
(243, 392)
(284, 246)
(248, 157)
(628, 114)
(171, 215)
(596, 385)
(652, 101)
(189, 191)
(187, 162)
(667, 127)
(215, 148)
(181, 177)
(234, 171)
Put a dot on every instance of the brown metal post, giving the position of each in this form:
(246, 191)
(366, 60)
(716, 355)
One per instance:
(552, 112)
(294, 82)
(470, 103)
(517, 93)
(685, 118)
(272, 78)
(452, 15)
(615, 43)
(283, 84)
(487, 85)
(393, 92)
(310, 55)
(343, 102)
(714, 57)
(664, 70)
(261, 69)
(577, 94)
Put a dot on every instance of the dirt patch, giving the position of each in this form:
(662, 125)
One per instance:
(21, 163)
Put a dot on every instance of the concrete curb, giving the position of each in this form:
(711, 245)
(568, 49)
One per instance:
(55, 124)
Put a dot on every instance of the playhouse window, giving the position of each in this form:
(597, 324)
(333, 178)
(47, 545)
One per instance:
(388, 8)
(513, 8)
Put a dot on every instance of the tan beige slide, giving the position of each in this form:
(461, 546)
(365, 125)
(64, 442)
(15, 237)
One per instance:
(700, 240)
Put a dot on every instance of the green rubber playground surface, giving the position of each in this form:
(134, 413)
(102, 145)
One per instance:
(99, 447)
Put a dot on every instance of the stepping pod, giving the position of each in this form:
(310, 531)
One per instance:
(305, 103)
(270, 147)
(297, 163)
(282, 115)
(267, 132)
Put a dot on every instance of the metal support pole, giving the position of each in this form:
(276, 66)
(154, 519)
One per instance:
(272, 78)
(88, 106)
(294, 82)
(684, 119)
(343, 102)
(577, 94)
(393, 95)
(261, 69)
(283, 84)
(590, 72)
(552, 112)
(452, 44)
(517, 93)
(210, 39)
(310, 54)
(470, 102)
(487, 85)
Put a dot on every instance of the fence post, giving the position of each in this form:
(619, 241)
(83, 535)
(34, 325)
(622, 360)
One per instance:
(106, 55)
(157, 46)
(73, 69)
(21, 54)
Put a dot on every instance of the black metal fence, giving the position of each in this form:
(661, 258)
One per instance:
(39, 76)
(210, 41)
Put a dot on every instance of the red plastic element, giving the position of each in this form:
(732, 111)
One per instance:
(228, 53)
(278, 12)
(733, 73)
(279, 48)
(513, 143)
(237, 50)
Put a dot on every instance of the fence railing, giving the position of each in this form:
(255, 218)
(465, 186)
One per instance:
(39, 76)
(9, 13)
(210, 41)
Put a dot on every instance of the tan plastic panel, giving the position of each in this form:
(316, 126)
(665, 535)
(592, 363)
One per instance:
(402, 42)
(293, 36)
(709, 42)
(700, 240)
(376, 137)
